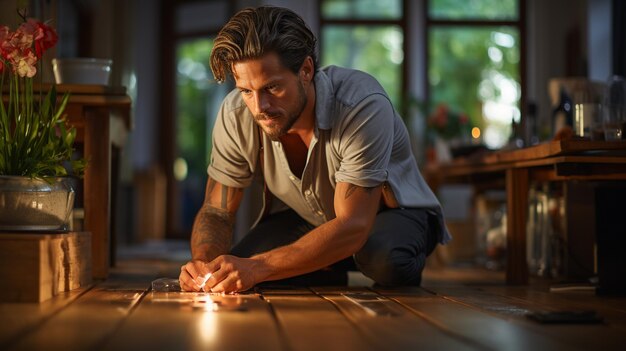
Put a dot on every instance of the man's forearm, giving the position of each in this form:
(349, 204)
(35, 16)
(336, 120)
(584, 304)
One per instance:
(212, 233)
(330, 242)
(323, 246)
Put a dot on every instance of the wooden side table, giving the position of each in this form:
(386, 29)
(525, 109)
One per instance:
(91, 109)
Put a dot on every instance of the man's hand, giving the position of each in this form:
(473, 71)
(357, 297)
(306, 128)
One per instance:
(225, 274)
(193, 275)
(231, 274)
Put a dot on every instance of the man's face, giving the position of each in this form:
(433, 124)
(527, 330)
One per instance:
(274, 94)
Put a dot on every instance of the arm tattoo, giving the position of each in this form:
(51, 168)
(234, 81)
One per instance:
(210, 186)
(225, 194)
(212, 233)
(213, 227)
(352, 188)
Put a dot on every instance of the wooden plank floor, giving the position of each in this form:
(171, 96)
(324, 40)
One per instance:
(455, 309)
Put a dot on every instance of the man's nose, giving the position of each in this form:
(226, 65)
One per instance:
(261, 103)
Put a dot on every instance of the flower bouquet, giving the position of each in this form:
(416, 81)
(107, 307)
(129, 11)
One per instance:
(451, 134)
(35, 140)
(36, 144)
(447, 124)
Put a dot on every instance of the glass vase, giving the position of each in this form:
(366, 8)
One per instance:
(28, 204)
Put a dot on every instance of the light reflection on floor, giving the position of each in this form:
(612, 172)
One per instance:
(210, 302)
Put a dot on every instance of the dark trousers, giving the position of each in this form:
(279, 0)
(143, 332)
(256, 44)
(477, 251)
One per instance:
(394, 254)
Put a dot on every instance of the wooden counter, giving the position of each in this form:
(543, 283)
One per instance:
(566, 160)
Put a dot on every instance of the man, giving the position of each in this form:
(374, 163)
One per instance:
(335, 159)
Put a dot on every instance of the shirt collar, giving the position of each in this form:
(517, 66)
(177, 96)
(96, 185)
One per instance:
(323, 100)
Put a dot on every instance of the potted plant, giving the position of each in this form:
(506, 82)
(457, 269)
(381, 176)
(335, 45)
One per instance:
(450, 133)
(36, 144)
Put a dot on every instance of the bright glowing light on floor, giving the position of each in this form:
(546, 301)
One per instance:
(207, 324)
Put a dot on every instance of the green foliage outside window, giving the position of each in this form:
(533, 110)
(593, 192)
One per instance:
(194, 85)
(476, 71)
(473, 9)
(474, 68)
(362, 9)
(376, 50)
(198, 98)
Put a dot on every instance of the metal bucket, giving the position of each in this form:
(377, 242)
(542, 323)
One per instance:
(28, 204)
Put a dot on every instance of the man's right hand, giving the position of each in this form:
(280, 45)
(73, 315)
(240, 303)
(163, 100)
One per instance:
(193, 275)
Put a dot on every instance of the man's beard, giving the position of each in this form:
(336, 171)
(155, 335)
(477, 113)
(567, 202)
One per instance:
(276, 131)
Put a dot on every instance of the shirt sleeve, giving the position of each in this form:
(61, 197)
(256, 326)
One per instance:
(365, 140)
(232, 155)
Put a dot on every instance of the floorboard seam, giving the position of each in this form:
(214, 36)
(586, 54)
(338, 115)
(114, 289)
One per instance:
(284, 340)
(108, 337)
(33, 328)
(349, 319)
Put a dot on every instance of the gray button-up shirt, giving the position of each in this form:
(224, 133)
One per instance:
(359, 139)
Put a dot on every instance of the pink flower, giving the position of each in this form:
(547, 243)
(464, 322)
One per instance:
(447, 123)
(16, 48)
(441, 119)
(24, 65)
(463, 119)
(4, 34)
(45, 36)
(31, 27)
(19, 40)
(442, 109)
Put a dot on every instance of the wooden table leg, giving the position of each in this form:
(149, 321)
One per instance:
(517, 203)
(97, 187)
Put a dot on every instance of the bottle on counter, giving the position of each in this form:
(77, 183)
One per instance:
(562, 115)
(531, 136)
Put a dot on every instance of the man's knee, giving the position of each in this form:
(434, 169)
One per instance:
(391, 266)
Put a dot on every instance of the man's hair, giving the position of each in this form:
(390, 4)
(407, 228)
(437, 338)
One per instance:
(254, 32)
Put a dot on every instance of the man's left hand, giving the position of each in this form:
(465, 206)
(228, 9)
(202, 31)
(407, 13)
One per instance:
(231, 274)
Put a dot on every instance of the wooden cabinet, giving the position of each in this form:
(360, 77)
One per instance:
(93, 110)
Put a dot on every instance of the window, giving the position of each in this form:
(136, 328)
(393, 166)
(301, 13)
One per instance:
(198, 99)
(474, 62)
(367, 35)
(189, 104)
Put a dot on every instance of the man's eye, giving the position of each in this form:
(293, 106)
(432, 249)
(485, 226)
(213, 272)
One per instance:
(244, 91)
(272, 88)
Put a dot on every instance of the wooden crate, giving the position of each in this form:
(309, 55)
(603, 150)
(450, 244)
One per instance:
(35, 267)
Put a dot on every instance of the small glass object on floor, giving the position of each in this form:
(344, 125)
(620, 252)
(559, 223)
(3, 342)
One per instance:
(166, 285)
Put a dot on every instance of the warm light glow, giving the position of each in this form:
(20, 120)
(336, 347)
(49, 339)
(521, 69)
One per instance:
(207, 324)
(180, 169)
(475, 132)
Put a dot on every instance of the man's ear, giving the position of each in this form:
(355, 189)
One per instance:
(306, 70)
